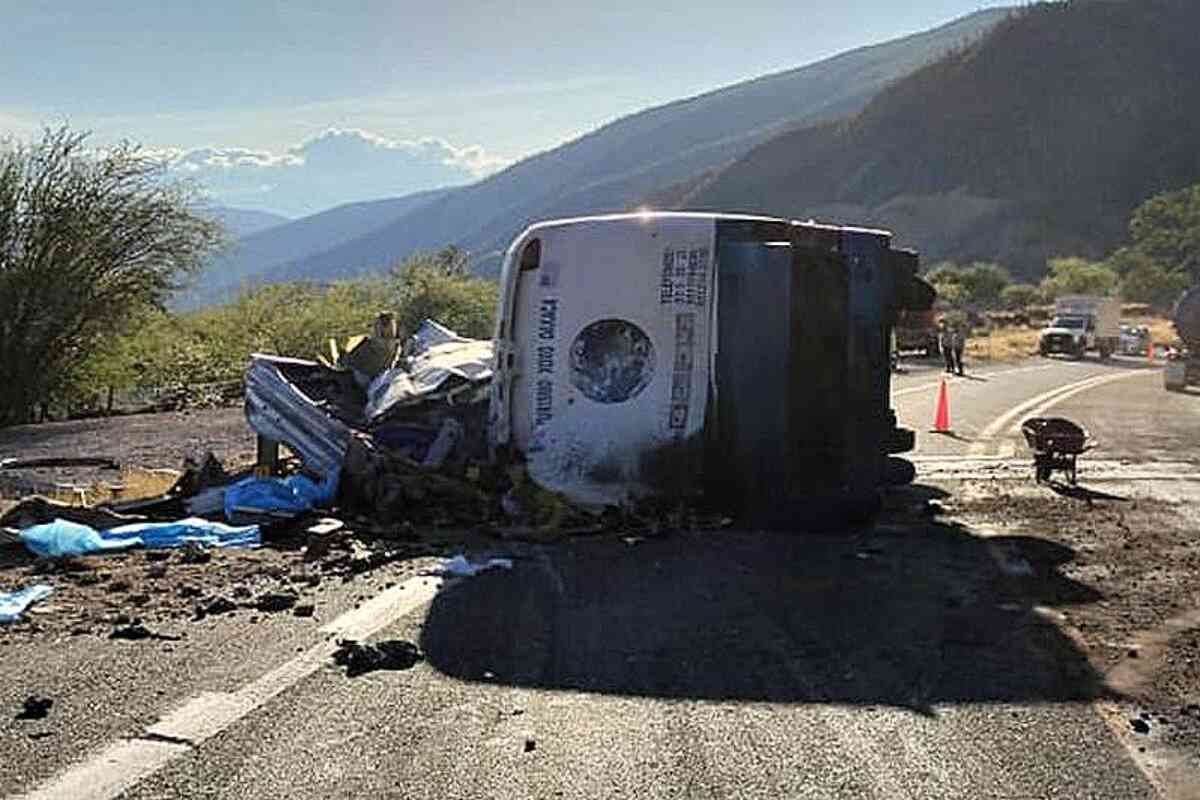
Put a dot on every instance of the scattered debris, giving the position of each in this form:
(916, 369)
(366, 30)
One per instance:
(13, 604)
(39, 463)
(37, 510)
(35, 707)
(136, 631)
(530, 745)
(272, 602)
(1139, 725)
(219, 605)
(461, 567)
(359, 659)
(194, 553)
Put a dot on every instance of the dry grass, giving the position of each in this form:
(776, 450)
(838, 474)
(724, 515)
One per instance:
(1018, 342)
(1004, 344)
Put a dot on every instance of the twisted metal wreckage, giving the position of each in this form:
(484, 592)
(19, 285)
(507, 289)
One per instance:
(736, 359)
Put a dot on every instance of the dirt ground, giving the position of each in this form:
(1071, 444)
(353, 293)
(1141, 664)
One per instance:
(1134, 554)
(143, 441)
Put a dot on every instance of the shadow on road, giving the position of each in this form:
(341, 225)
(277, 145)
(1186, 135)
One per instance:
(952, 435)
(912, 615)
(1082, 492)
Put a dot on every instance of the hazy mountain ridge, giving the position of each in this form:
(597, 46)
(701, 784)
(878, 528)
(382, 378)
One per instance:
(251, 256)
(242, 222)
(615, 166)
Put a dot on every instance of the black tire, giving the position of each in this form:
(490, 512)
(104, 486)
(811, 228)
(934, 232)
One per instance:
(899, 472)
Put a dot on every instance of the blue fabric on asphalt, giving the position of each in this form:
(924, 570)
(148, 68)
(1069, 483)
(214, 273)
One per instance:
(13, 604)
(61, 538)
(296, 494)
(193, 530)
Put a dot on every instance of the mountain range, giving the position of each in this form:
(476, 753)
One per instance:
(242, 222)
(1035, 141)
(611, 169)
(242, 264)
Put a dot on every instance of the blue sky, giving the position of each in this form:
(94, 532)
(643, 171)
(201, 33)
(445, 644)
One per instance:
(442, 92)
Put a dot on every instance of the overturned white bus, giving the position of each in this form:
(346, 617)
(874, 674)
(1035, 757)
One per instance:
(742, 357)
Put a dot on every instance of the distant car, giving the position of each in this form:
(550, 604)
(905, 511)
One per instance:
(1134, 340)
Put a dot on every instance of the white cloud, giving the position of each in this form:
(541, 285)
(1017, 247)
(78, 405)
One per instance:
(340, 165)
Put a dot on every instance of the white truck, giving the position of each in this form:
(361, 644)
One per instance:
(1082, 323)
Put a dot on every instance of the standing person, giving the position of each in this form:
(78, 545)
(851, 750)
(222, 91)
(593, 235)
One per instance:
(945, 345)
(958, 341)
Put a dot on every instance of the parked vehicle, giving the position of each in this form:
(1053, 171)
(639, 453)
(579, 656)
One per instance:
(1080, 324)
(1183, 366)
(917, 330)
(1135, 340)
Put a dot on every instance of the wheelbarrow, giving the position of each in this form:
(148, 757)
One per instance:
(1056, 444)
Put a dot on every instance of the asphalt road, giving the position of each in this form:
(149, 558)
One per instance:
(892, 662)
(1110, 396)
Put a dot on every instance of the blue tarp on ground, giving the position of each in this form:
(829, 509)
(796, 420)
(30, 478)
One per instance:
(295, 494)
(13, 604)
(62, 538)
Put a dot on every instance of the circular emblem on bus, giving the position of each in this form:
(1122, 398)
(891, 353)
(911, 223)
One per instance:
(611, 361)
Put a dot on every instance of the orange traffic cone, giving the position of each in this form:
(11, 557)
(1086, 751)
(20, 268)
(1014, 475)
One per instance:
(941, 418)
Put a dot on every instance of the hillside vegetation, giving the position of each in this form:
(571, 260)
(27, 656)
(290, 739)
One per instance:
(1037, 140)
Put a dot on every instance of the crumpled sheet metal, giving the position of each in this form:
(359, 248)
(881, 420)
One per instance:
(431, 334)
(467, 359)
(276, 409)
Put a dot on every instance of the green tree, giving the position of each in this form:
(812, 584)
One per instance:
(1019, 296)
(459, 301)
(87, 240)
(977, 285)
(1075, 275)
(983, 283)
(1166, 228)
(1144, 280)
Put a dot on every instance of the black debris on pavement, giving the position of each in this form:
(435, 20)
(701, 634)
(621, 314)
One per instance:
(136, 632)
(530, 745)
(306, 610)
(35, 707)
(219, 605)
(1139, 725)
(359, 659)
(275, 601)
(195, 554)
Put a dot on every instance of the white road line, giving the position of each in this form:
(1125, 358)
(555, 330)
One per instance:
(987, 438)
(125, 763)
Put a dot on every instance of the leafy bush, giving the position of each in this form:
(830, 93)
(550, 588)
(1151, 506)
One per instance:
(1019, 296)
(1075, 275)
(88, 240)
